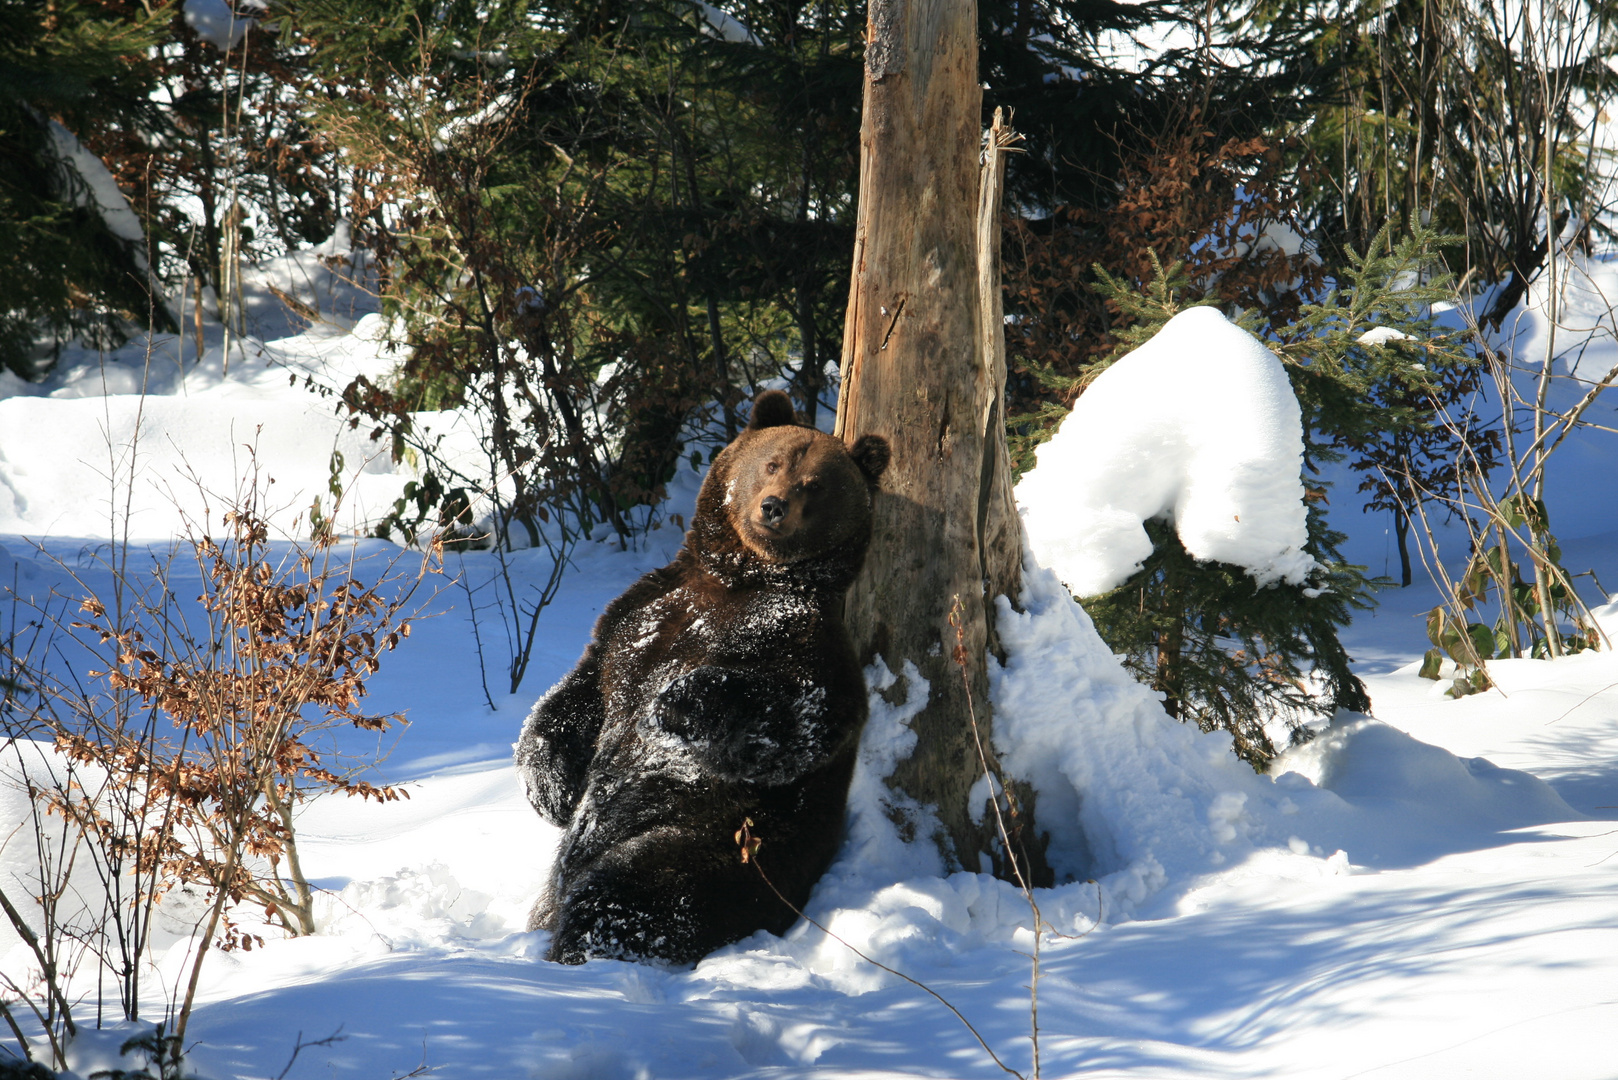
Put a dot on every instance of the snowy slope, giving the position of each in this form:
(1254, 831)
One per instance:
(1426, 894)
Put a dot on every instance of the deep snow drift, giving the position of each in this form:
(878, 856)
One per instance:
(1422, 894)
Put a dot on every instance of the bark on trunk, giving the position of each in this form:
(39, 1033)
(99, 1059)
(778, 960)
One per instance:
(922, 369)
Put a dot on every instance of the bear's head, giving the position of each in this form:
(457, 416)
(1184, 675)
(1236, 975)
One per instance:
(787, 501)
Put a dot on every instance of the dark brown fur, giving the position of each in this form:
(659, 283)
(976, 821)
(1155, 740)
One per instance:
(718, 688)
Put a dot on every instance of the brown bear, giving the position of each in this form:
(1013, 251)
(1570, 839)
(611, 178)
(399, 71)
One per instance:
(720, 688)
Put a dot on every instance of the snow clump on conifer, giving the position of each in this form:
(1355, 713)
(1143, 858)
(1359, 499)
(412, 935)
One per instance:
(1199, 426)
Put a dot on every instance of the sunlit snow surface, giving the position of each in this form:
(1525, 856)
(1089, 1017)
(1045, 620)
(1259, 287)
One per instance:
(1427, 894)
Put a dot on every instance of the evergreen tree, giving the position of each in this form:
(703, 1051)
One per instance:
(65, 70)
(1052, 66)
(230, 172)
(677, 180)
(1257, 661)
(1473, 118)
(1228, 656)
(619, 167)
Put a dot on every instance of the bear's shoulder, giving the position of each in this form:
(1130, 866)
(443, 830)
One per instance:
(650, 588)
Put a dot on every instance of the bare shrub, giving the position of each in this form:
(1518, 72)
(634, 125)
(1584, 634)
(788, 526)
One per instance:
(178, 746)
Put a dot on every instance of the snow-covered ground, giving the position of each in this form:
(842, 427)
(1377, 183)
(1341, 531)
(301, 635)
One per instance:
(1425, 894)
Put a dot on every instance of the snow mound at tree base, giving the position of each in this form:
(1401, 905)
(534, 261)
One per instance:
(1138, 800)
(1143, 811)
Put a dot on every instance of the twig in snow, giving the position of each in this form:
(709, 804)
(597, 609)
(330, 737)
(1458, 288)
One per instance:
(960, 658)
(335, 1037)
(750, 845)
(423, 1069)
(1586, 701)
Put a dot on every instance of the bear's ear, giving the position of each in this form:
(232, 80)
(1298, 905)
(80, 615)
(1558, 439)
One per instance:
(772, 408)
(870, 453)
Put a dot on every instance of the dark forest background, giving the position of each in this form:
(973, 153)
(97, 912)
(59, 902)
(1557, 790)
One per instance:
(605, 224)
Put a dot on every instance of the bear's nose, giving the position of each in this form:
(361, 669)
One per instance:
(774, 509)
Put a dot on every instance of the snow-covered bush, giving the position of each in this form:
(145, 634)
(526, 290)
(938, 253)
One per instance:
(1181, 504)
(1198, 427)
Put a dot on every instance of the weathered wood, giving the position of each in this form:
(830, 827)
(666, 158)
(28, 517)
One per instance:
(922, 369)
(999, 527)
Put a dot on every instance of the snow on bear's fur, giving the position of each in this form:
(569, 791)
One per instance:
(719, 689)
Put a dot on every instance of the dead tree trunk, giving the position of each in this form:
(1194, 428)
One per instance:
(923, 365)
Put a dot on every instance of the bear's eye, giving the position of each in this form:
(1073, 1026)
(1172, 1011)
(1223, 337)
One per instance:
(772, 467)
